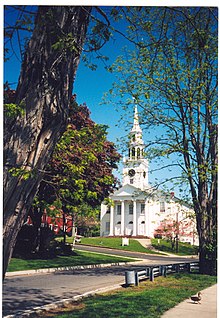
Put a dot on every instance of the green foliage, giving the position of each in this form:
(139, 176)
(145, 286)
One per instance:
(13, 110)
(66, 43)
(23, 173)
(178, 68)
(172, 72)
(79, 174)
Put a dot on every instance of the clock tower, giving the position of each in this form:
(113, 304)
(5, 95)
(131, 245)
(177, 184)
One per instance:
(135, 170)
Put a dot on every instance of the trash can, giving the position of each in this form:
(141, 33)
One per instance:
(129, 278)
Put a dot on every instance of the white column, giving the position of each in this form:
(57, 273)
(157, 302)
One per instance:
(146, 218)
(134, 218)
(111, 221)
(122, 218)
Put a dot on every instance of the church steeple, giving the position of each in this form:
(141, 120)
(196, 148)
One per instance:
(136, 126)
(136, 143)
(135, 169)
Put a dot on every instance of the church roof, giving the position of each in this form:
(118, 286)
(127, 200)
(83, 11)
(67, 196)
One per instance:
(129, 192)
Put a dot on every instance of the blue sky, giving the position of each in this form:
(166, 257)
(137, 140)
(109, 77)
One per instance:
(90, 87)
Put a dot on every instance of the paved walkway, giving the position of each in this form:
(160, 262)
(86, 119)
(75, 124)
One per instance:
(188, 309)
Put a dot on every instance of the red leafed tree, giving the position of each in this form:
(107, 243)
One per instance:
(173, 230)
(80, 172)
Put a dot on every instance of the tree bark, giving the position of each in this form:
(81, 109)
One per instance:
(44, 88)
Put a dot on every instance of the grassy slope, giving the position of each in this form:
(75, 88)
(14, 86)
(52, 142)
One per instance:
(82, 258)
(115, 242)
(165, 246)
(149, 300)
(134, 245)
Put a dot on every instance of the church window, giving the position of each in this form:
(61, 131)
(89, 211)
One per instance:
(129, 153)
(130, 208)
(162, 206)
(108, 210)
(133, 152)
(142, 208)
(131, 181)
(119, 222)
(130, 222)
(133, 138)
(144, 174)
(119, 209)
(143, 222)
(138, 153)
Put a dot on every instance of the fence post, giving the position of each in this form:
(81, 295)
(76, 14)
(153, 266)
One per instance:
(177, 268)
(151, 274)
(136, 279)
(165, 271)
(148, 271)
(188, 267)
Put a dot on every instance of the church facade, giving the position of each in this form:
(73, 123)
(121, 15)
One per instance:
(137, 209)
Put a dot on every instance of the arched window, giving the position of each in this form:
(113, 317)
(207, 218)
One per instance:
(129, 153)
(119, 222)
(130, 222)
(133, 152)
(138, 153)
(144, 174)
(143, 222)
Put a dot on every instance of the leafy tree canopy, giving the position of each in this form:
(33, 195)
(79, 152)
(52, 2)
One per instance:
(172, 73)
(80, 171)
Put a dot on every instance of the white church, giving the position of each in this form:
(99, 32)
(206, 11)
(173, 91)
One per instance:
(137, 209)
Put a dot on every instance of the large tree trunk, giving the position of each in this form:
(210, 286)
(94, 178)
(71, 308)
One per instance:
(207, 230)
(205, 205)
(44, 88)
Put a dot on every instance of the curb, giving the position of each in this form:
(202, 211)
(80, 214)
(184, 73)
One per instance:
(60, 269)
(61, 304)
(70, 268)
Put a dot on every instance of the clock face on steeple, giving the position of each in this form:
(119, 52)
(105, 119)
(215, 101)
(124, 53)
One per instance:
(131, 172)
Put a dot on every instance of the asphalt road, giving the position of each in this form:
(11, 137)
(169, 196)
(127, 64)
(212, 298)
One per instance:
(26, 292)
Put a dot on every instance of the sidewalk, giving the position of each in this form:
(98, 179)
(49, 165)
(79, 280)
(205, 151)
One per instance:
(207, 308)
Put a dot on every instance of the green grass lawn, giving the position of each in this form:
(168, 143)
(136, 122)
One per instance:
(165, 246)
(134, 245)
(115, 242)
(148, 300)
(82, 258)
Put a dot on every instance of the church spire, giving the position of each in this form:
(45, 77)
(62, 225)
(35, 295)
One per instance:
(136, 126)
(136, 133)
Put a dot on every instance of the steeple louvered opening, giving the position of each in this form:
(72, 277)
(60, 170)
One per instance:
(135, 170)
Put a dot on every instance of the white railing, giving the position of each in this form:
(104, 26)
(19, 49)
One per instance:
(150, 272)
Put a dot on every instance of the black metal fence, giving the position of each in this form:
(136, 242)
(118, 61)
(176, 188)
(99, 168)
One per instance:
(150, 272)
